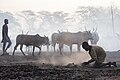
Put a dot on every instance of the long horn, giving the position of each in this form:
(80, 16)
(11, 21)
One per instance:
(58, 31)
(44, 36)
(85, 28)
(96, 29)
(27, 32)
(93, 29)
(22, 31)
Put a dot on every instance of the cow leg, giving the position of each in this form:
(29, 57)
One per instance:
(47, 48)
(78, 47)
(60, 48)
(39, 49)
(54, 47)
(71, 48)
(15, 48)
(33, 50)
(21, 46)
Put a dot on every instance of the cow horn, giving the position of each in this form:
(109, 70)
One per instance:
(96, 29)
(59, 31)
(27, 32)
(93, 29)
(85, 28)
(22, 31)
(90, 31)
(44, 36)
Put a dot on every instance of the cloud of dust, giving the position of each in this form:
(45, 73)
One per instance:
(57, 59)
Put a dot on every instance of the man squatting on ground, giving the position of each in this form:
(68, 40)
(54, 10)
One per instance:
(97, 55)
(5, 37)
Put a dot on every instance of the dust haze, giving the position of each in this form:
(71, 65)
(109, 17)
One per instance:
(66, 58)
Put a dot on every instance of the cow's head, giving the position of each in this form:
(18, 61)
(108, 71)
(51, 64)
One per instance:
(88, 35)
(46, 40)
(95, 36)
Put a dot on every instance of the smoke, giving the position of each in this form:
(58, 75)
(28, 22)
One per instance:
(57, 59)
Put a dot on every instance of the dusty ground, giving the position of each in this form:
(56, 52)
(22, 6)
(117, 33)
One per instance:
(53, 66)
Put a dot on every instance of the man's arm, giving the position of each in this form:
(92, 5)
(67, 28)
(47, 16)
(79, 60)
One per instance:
(92, 60)
(86, 63)
(93, 57)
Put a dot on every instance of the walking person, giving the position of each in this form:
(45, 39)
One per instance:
(5, 37)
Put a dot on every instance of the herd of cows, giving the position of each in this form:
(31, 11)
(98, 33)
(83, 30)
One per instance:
(60, 38)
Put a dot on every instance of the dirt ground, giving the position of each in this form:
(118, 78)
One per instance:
(53, 66)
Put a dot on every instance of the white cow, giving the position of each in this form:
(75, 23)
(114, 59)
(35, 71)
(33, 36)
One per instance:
(95, 37)
(55, 39)
(69, 39)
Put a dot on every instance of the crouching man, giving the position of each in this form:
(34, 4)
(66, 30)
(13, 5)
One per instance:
(97, 55)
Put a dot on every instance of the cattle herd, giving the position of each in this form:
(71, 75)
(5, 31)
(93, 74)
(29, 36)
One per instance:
(60, 38)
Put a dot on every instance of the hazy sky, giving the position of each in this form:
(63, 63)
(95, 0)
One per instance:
(52, 5)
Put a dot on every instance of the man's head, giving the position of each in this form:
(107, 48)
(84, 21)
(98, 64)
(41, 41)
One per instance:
(85, 46)
(6, 21)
